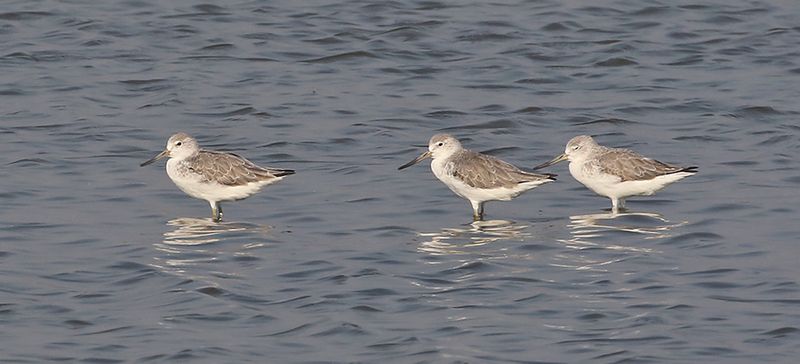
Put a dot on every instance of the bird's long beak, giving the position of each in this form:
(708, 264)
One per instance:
(561, 157)
(416, 160)
(163, 154)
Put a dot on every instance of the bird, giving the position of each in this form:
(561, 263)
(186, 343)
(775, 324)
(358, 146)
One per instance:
(617, 173)
(214, 176)
(475, 176)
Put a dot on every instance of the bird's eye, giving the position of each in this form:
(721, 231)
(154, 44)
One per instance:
(178, 143)
(575, 147)
(441, 144)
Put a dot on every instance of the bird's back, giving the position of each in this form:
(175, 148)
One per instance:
(484, 171)
(631, 166)
(231, 169)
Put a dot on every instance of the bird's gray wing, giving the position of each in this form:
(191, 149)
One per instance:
(230, 169)
(485, 171)
(631, 166)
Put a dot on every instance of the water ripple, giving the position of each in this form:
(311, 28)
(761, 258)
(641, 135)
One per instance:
(352, 261)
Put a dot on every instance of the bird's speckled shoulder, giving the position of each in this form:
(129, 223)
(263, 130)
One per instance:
(485, 171)
(631, 166)
(231, 169)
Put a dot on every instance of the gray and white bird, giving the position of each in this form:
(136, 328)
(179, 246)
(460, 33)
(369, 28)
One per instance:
(617, 173)
(214, 176)
(474, 176)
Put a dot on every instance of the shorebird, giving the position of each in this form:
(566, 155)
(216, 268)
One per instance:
(617, 173)
(474, 176)
(214, 176)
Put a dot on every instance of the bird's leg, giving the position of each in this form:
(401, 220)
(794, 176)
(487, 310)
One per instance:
(617, 205)
(477, 210)
(216, 211)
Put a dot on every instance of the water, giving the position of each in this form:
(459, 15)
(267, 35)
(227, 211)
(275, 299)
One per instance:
(351, 260)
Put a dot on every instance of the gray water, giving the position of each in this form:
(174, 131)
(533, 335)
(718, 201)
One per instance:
(351, 260)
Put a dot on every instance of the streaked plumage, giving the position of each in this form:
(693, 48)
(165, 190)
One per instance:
(617, 173)
(485, 171)
(475, 176)
(229, 169)
(214, 176)
(631, 166)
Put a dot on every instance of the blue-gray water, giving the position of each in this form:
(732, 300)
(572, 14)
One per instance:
(351, 260)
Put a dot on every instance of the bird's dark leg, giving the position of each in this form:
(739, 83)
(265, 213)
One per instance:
(617, 205)
(477, 211)
(216, 211)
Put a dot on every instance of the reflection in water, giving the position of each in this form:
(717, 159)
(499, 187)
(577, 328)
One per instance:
(192, 242)
(612, 232)
(479, 233)
(651, 225)
(193, 231)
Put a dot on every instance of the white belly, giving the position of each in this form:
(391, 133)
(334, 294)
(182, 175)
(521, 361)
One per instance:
(192, 185)
(479, 194)
(613, 187)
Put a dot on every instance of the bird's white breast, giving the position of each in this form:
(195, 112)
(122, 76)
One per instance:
(609, 185)
(442, 170)
(439, 168)
(194, 185)
(590, 176)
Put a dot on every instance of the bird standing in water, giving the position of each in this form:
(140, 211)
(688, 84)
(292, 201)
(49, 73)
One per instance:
(474, 176)
(214, 176)
(617, 173)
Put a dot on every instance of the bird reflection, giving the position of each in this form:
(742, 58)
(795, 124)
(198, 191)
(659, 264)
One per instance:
(650, 224)
(644, 225)
(618, 236)
(463, 240)
(193, 231)
(193, 242)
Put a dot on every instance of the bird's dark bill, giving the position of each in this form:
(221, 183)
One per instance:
(157, 157)
(416, 160)
(553, 161)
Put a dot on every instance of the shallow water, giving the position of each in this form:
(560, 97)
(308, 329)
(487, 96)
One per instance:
(351, 260)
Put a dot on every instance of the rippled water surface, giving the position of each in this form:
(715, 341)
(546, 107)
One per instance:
(351, 260)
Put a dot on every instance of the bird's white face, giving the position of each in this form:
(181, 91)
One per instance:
(440, 146)
(579, 147)
(181, 146)
(443, 145)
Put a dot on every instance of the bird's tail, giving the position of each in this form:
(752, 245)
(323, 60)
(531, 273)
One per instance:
(280, 172)
(692, 169)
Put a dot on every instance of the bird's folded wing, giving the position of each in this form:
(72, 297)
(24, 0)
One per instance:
(484, 171)
(229, 169)
(631, 166)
